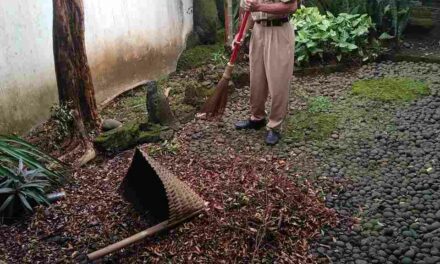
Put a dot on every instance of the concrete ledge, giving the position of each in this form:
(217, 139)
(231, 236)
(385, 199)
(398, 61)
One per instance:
(417, 56)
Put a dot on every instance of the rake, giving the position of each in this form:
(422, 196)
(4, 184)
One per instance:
(151, 187)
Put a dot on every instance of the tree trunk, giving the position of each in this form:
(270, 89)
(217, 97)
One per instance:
(75, 86)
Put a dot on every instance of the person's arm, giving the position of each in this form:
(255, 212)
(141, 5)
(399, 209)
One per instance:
(272, 8)
(250, 24)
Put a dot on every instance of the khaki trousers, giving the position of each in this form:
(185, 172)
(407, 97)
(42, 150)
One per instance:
(271, 58)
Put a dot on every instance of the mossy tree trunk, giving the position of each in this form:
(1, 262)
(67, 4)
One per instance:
(74, 79)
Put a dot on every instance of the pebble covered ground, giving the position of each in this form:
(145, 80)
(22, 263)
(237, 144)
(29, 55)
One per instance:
(389, 161)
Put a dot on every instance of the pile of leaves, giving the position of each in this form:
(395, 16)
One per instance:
(255, 212)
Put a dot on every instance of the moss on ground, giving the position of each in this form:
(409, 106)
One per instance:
(129, 106)
(304, 126)
(197, 56)
(320, 104)
(391, 89)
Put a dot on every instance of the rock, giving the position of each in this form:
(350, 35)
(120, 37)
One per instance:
(110, 124)
(196, 94)
(158, 107)
(360, 261)
(437, 215)
(406, 260)
(127, 136)
(241, 77)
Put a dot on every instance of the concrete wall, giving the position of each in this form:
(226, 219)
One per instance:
(127, 41)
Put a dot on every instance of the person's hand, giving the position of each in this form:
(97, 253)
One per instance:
(251, 5)
(237, 41)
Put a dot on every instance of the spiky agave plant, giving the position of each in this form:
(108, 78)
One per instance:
(13, 149)
(22, 187)
(26, 173)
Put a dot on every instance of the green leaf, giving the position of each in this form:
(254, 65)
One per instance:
(7, 202)
(385, 35)
(24, 201)
(7, 191)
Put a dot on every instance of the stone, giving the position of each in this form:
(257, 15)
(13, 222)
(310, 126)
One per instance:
(406, 260)
(127, 136)
(158, 107)
(110, 124)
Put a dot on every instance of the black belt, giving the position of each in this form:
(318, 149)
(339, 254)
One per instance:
(273, 22)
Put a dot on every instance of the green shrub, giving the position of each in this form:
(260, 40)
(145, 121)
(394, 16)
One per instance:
(25, 175)
(63, 119)
(24, 188)
(340, 6)
(344, 36)
(391, 89)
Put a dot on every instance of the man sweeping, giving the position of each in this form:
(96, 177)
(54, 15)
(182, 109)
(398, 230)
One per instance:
(271, 58)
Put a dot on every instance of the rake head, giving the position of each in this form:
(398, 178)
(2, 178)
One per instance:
(151, 187)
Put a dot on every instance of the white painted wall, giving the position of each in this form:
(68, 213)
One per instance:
(127, 42)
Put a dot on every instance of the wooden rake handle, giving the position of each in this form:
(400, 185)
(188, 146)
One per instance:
(139, 236)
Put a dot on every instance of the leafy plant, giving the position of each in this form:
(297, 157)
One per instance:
(166, 147)
(24, 188)
(63, 119)
(390, 17)
(340, 6)
(14, 149)
(25, 174)
(219, 57)
(342, 36)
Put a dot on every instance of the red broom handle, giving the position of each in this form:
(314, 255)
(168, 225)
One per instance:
(239, 37)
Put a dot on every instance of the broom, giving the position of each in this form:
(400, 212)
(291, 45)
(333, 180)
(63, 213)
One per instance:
(216, 104)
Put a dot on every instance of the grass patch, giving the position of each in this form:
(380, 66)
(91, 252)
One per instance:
(304, 126)
(319, 104)
(391, 89)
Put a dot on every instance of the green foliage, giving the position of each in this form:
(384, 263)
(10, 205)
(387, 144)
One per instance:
(166, 147)
(390, 17)
(14, 149)
(391, 89)
(343, 36)
(25, 173)
(319, 104)
(219, 57)
(24, 188)
(63, 119)
(340, 6)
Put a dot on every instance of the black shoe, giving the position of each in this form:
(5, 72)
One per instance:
(272, 137)
(250, 124)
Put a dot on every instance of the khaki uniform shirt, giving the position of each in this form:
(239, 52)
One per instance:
(257, 16)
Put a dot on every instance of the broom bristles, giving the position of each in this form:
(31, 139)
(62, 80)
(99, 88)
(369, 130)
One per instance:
(216, 104)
